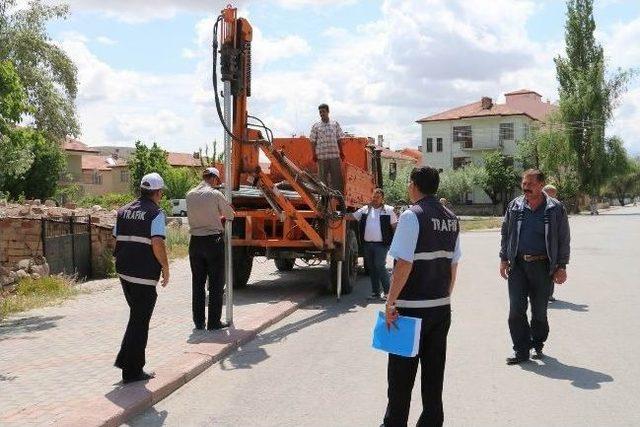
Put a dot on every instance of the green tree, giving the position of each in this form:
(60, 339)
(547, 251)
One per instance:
(548, 148)
(455, 183)
(15, 148)
(40, 181)
(587, 96)
(47, 73)
(396, 191)
(146, 160)
(179, 181)
(497, 177)
(623, 171)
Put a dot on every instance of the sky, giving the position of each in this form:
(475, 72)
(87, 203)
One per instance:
(145, 67)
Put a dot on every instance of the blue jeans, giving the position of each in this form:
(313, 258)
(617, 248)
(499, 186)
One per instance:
(376, 256)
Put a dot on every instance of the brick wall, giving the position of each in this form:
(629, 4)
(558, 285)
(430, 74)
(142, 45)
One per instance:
(102, 246)
(20, 238)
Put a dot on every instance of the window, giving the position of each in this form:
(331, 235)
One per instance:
(124, 175)
(463, 134)
(439, 144)
(96, 178)
(393, 167)
(429, 145)
(459, 162)
(506, 132)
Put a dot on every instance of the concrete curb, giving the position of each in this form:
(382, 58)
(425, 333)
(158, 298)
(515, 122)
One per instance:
(124, 402)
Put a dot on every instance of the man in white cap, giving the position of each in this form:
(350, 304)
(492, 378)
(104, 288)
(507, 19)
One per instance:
(141, 256)
(206, 207)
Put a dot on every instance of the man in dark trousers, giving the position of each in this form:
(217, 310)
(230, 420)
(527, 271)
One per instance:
(376, 224)
(534, 253)
(141, 256)
(426, 247)
(206, 207)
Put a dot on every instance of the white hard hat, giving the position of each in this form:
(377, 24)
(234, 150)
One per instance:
(152, 181)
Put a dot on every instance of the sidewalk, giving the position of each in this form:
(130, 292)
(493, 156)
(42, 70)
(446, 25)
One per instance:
(56, 363)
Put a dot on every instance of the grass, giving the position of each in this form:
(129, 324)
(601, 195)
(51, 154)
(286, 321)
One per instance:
(177, 242)
(481, 223)
(34, 293)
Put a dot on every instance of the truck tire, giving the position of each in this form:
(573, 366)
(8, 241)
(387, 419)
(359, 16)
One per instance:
(349, 267)
(285, 264)
(242, 263)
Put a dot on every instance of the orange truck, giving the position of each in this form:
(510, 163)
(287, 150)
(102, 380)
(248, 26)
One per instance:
(286, 213)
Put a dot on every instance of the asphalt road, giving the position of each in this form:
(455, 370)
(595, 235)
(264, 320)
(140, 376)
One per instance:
(316, 368)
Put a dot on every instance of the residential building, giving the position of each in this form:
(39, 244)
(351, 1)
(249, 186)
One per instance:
(462, 135)
(395, 163)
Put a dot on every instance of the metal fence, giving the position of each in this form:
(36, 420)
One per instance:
(67, 245)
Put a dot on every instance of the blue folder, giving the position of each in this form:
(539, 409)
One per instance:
(403, 339)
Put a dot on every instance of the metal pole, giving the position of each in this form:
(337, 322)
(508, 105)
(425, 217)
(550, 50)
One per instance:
(339, 280)
(227, 190)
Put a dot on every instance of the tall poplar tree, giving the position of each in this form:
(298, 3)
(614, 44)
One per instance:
(588, 95)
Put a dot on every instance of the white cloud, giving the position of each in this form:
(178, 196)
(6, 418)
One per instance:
(420, 57)
(106, 40)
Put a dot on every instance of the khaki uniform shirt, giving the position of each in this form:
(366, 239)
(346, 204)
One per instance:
(205, 206)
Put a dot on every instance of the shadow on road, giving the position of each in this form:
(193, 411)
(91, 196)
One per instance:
(24, 325)
(566, 305)
(580, 377)
(254, 352)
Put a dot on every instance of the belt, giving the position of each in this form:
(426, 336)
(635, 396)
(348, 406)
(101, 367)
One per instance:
(533, 258)
(426, 303)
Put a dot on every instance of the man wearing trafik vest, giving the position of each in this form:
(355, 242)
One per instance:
(376, 224)
(206, 207)
(534, 253)
(427, 250)
(141, 256)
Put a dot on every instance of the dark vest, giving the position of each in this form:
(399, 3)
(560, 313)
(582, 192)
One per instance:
(135, 261)
(430, 275)
(385, 227)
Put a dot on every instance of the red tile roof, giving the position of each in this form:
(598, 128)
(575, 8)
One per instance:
(71, 144)
(91, 162)
(519, 103)
(412, 152)
(390, 154)
(183, 159)
(522, 92)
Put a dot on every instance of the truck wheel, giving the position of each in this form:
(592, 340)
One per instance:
(183, 213)
(285, 264)
(349, 266)
(242, 262)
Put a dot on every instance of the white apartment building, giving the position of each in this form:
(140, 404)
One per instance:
(461, 135)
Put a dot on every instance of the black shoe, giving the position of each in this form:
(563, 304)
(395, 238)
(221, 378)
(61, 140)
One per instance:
(517, 359)
(216, 326)
(142, 376)
(551, 298)
(539, 355)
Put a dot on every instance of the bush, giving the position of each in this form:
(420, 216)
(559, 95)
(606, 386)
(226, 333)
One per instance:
(107, 201)
(33, 293)
(177, 242)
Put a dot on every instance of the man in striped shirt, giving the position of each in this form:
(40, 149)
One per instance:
(324, 137)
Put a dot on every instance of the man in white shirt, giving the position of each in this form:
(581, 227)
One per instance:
(377, 222)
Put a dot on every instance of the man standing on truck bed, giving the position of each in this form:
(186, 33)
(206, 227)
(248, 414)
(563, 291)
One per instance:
(324, 137)
(205, 208)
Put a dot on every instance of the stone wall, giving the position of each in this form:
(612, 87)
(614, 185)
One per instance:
(20, 238)
(102, 245)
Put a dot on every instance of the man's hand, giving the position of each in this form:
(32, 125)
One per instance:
(391, 315)
(504, 269)
(165, 276)
(560, 276)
